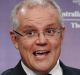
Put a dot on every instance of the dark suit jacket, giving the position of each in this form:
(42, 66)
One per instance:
(18, 70)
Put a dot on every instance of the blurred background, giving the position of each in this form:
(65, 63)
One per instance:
(70, 54)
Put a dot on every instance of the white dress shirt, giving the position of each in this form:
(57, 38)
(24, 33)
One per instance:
(57, 70)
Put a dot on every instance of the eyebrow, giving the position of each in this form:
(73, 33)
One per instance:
(33, 27)
(28, 27)
(52, 25)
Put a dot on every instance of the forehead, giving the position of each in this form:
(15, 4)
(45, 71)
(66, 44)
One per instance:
(39, 16)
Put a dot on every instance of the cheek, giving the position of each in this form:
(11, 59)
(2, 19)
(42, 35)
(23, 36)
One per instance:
(55, 49)
(26, 44)
(26, 48)
(55, 43)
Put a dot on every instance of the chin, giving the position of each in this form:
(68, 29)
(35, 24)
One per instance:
(43, 67)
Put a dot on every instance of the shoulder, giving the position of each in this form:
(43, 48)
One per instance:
(8, 72)
(73, 70)
(12, 71)
(17, 70)
(69, 70)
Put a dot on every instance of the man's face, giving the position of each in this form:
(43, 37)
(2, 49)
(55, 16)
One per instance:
(39, 47)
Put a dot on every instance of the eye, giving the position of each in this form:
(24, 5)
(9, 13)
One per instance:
(30, 33)
(50, 31)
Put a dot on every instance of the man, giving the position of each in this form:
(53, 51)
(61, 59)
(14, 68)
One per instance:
(37, 32)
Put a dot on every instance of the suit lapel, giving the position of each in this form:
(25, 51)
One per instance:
(66, 70)
(18, 70)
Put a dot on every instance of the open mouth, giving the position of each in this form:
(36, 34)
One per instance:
(40, 52)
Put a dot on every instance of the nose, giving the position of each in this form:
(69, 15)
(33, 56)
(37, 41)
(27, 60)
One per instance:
(42, 40)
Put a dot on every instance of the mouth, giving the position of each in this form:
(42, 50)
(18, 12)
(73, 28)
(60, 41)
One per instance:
(40, 52)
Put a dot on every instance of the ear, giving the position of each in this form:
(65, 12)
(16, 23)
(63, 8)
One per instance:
(14, 39)
(62, 34)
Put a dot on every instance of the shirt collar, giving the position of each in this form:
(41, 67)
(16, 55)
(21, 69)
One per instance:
(27, 70)
(57, 70)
